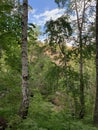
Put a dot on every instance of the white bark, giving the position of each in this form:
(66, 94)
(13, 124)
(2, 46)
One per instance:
(25, 103)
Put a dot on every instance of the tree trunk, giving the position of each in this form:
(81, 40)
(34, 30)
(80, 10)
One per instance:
(23, 111)
(80, 29)
(96, 100)
(82, 102)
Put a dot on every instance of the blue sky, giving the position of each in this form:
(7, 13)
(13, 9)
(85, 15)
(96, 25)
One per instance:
(43, 10)
(42, 5)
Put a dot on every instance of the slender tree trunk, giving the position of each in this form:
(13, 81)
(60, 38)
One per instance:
(96, 100)
(80, 28)
(23, 111)
(82, 102)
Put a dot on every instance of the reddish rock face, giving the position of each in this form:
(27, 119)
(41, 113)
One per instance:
(3, 123)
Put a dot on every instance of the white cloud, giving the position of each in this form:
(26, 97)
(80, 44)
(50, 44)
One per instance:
(41, 18)
(31, 13)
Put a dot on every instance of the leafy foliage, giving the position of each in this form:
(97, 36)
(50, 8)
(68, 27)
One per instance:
(61, 3)
(53, 74)
(58, 30)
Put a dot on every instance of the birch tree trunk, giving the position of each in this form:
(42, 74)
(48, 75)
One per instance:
(23, 111)
(96, 100)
